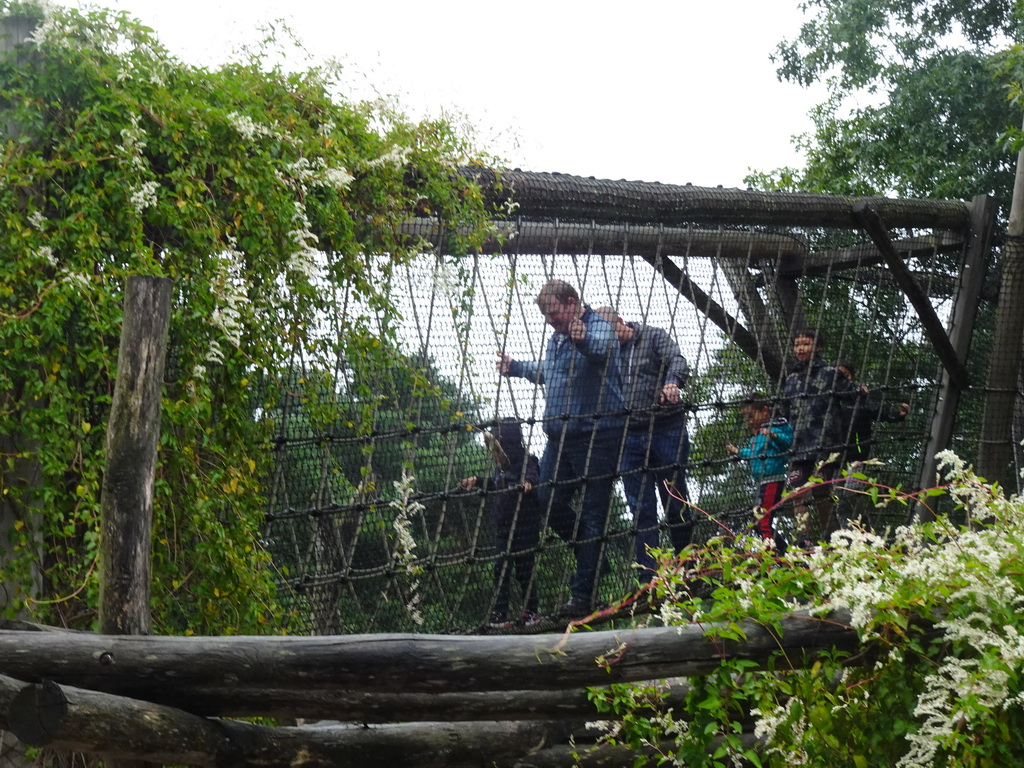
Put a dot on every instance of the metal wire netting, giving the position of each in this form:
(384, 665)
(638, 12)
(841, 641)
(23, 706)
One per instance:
(369, 524)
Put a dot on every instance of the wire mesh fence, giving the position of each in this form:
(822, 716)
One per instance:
(374, 525)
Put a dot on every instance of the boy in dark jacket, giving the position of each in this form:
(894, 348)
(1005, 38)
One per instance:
(516, 514)
(812, 398)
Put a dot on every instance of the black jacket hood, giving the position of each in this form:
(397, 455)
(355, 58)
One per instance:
(510, 437)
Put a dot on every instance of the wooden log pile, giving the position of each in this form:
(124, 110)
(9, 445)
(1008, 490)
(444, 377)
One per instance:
(397, 700)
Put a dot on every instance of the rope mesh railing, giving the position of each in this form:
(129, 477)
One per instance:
(370, 522)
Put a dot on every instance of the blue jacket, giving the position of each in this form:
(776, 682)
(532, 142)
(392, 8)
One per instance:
(768, 453)
(582, 380)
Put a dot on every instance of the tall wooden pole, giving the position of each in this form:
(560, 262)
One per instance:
(133, 433)
(961, 332)
(996, 450)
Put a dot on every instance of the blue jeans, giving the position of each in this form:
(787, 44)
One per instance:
(648, 462)
(586, 462)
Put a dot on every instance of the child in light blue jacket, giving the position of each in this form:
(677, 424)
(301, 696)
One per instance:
(767, 451)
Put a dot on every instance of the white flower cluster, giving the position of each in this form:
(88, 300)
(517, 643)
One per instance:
(230, 298)
(76, 279)
(318, 173)
(45, 254)
(405, 544)
(133, 140)
(397, 156)
(50, 31)
(143, 195)
(767, 722)
(304, 258)
(970, 573)
(61, 29)
(229, 288)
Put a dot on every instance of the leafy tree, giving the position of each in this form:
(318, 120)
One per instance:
(918, 97)
(265, 196)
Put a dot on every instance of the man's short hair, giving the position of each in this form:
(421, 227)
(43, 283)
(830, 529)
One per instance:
(848, 366)
(557, 289)
(811, 333)
(756, 400)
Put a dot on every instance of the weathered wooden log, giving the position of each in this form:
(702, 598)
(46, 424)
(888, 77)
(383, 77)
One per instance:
(562, 196)
(9, 688)
(933, 326)
(126, 729)
(366, 707)
(169, 669)
(133, 432)
(567, 238)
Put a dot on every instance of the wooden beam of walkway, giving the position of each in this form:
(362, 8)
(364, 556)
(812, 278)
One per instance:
(562, 196)
(118, 727)
(170, 670)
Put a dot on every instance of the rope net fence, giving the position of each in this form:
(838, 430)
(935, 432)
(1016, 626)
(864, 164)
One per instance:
(399, 501)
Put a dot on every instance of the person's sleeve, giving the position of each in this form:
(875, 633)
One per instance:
(532, 470)
(781, 436)
(785, 405)
(747, 451)
(877, 410)
(843, 389)
(599, 341)
(885, 413)
(526, 369)
(667, 350)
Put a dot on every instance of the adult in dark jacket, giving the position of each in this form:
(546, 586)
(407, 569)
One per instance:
(516, 514)
(657, 444)
(860, 416)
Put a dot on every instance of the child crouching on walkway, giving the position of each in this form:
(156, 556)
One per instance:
(767, 452)
(517, 519)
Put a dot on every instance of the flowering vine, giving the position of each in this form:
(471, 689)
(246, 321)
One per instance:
(939, 680)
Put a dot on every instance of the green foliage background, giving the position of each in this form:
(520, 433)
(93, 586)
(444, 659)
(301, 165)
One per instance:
(923, 98)
(263, 194)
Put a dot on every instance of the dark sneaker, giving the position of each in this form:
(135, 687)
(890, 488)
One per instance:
(498, 621)
(530, 618)
(573, 609)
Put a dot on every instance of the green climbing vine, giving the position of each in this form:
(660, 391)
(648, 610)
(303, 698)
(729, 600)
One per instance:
(266, 197)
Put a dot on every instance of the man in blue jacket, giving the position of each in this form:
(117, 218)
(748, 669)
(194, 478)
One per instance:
(583, 421)
(657, 444)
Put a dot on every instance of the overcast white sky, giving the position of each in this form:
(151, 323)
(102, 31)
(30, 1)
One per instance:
(674, 91)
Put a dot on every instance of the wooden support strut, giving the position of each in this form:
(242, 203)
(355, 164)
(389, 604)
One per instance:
(716, 313)
(172, 670)
(872, 223)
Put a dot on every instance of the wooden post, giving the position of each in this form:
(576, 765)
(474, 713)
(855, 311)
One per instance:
(996, 449)
(961, 331)
(133, 433)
